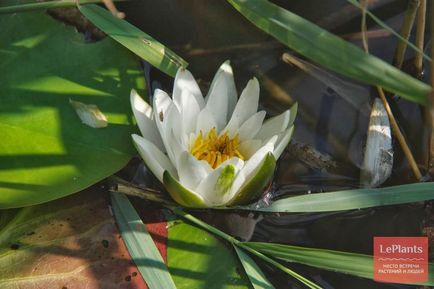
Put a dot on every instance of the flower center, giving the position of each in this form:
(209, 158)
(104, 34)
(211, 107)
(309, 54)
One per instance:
(215, 149)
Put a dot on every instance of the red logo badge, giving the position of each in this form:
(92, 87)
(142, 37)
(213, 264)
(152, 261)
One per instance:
(401, 259)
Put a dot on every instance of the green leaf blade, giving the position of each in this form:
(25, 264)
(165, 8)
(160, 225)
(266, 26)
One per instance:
(256, 276)
(329, 50)
(140, 244)
(343, 262)
(134, 39)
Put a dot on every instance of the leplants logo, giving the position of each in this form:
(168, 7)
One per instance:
(401, 259)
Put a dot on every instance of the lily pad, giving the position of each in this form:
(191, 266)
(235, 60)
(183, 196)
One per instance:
(196, 259)
(68, 243)
(46, 152)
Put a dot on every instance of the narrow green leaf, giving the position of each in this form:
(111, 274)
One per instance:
(140, 244)
(256, 276)
(349, 199)
(343, 262)
(134, 39)
(328, 50)
(45, 5)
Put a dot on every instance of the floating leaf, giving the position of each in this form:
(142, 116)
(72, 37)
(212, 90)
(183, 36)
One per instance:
(45, 152)
(69, 243)
(328, 50)
(197, 259)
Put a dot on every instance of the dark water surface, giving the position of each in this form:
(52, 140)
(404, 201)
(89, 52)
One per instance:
(330, 126)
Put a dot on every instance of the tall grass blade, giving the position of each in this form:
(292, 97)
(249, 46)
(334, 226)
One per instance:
(337, 261)
(134, 39)
(348, 199)
(256, 276)
(330, 51)
(45, 5)
(140, 244)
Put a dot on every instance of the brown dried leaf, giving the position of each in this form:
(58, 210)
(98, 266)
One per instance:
(71, 243)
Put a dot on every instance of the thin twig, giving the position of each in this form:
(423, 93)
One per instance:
(395, 128)
(398, 134)
(363, 28)
(420, 33)
(118, 185)
(406, 27)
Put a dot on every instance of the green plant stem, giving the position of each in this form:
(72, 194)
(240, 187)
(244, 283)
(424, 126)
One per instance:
(242, 245)
(46, 5)
(406, 27)
(420, 33)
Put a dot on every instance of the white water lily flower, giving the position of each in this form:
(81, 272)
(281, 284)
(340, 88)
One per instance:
(211, 151)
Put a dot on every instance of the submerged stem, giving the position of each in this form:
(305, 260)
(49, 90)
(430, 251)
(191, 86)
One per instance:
(406, 27)
(420, 33)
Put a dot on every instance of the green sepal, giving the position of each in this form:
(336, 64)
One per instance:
(181, 194)
(225, 180)
(257, 184)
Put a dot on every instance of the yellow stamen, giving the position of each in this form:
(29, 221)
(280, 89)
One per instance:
(215, 149)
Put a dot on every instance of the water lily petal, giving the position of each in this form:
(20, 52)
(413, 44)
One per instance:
(217, 102)
(282, 142)
(184, 80)
(191, 171)
(208, 188)
(205, 121)
(247, 105)
(189, 112)
(250, 168)
(181, 194)
(154, 158)
(144, 117)
(171, 132)
(225, 72)
(274, 125)
(162, 102)
(249, 147)
(250, 127)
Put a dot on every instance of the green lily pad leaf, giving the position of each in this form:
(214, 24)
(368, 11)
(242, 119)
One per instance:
(196, 259)
(257, 184)
(68, 243)
(46, 152)
(181, 194)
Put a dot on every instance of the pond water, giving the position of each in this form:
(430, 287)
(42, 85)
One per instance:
(328, 143)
